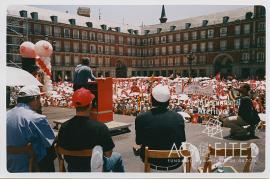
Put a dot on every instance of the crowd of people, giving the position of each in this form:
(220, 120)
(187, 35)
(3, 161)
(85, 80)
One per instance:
(33, 127)
(155, 101)
(60, 96)
(132, 96)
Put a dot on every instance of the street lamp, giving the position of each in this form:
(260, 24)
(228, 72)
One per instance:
(46, 37)
(190, 58)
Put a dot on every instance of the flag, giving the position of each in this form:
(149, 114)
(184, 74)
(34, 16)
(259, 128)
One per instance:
(218, 76)
(171, 76)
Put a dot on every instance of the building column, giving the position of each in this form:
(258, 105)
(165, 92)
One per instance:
(63, 75)
(72, 75)
(53, 75)
(237, 71)
(210, 71)
(113, 73)
(129, 72)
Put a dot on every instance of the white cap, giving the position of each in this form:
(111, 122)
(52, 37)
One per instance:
(30, 90)
(161, 93)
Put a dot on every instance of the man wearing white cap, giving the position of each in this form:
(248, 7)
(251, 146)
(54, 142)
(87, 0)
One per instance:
(160, 129)
(25, 125)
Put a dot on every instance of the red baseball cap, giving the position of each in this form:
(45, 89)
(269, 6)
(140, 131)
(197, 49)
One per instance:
(82, 97)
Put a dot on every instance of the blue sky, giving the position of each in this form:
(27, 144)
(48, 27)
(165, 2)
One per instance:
(148, 14)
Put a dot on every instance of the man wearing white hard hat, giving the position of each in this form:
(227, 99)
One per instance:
(25, 125)
(160, 129)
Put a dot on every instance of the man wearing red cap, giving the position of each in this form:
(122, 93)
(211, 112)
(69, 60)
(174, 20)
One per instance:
(81, 133)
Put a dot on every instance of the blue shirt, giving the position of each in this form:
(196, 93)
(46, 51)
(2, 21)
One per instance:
(82, 74)
(23, 126)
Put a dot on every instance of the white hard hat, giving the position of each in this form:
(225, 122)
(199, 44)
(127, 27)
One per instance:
(30, 90)
(161, 93)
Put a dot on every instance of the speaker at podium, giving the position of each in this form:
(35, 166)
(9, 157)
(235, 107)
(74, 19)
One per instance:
(102, 105)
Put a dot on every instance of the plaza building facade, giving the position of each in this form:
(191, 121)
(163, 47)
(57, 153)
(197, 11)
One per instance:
(232, 43)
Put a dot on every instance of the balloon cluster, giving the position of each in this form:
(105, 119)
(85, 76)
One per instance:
(41, 51)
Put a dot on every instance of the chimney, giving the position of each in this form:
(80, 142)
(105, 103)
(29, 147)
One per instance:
(172, 28)
(159, 30)
(72, 21)
(117, 29)
(103, 27)
(23, 13)
(188, 25)
(136, 32)
(225, 19)
(89, 24)
(130, 31)
(34, 15)
(54, 19)
(204, 23)
(146, 32)
(249, 15)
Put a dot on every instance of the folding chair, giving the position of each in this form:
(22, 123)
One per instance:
(234, 152)
(166, 154)
(61, 152)
(24, 150)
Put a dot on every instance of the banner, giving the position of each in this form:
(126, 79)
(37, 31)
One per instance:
(196, 88)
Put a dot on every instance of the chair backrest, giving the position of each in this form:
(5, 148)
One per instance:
(24, 150)
(61, 152)
(166, 154)
(234, 152)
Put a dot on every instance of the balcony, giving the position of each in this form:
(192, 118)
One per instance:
(246, 46)
(260, 60)
(84, 37)
(92, 38)
(57, 49)
(57, 34)
(85, 51)
(100, 40)
(93, 51)
(66, 36)
(223, 34)
(76, 50)
(260, 45)
(244, 61)
(76, 37)
(260, 30)
(67, 49)
(203, 37)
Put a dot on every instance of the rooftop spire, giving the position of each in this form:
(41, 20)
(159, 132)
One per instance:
(163, 18)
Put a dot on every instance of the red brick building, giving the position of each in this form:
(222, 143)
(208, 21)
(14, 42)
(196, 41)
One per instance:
(232, 43)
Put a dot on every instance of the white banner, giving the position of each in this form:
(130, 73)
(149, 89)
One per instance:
(196, 88)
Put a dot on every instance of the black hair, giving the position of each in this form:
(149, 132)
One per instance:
(83, 108)
(85, 61)
(247, 87)
(25, 100)
(159, 104)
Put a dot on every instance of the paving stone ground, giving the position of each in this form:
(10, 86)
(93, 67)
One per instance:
(194, 135)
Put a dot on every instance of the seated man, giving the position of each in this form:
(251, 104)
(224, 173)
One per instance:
(25, 125)
(160, 129)
(81, 132)
(246, 116)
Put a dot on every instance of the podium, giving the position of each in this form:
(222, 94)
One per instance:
(102, 105)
